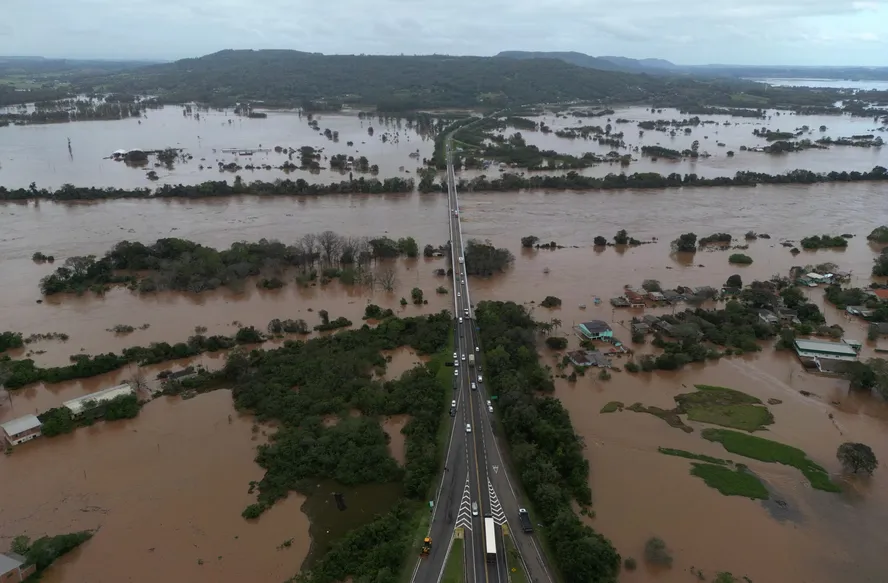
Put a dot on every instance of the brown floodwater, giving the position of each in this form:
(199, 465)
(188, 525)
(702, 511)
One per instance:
(165, 492)
(39, 153)
(816, 538)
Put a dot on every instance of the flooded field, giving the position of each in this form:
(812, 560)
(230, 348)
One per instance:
(165, 491)
(39, 153)
(813, 538)
(732, 132)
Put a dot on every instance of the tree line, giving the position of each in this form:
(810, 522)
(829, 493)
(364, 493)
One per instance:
(547, 452)
(182, 265)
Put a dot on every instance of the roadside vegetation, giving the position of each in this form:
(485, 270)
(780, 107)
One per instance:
(302, 382)
(546, 450)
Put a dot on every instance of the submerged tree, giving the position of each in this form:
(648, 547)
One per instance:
(857, 458)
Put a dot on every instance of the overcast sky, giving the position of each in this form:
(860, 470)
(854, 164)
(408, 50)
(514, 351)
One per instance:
(756, 32)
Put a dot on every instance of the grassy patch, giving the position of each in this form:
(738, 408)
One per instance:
(670, 416)
(715, 405)
(737, 482)
(454, 571)
(771, 451)
(725, 407)
(693, 456)
(513, 562)
(611, 407)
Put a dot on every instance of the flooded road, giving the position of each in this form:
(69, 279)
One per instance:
(165, 492)
(638, 492)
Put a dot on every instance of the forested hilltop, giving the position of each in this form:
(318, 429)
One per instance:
(398, 83)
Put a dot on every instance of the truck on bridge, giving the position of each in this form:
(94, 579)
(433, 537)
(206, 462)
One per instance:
(524, 519)
(472, 360)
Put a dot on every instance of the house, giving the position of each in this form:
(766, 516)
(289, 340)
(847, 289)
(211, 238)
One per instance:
(787, 317)
(77, 406)
(882, 294)
(595, 330)
(650, 320)
(640, 328)
(672, 296)
(705, 291)
(655, 296)
(665, 327)
(619, 302)
(768, 317)
(635, 299)
(13, 568)
(19, 431)
(589, 358)
(881, 328)
(861, 311)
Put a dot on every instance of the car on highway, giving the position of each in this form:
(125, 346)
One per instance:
(474, 509)
(477, 349)
(454, 356)
(456, 372)
(453, 403)
(468, 428)
(458, 294)
(480, 378)
(466, 312)
(474, 387)
(460, 320)
(489, 406)
(463, 357)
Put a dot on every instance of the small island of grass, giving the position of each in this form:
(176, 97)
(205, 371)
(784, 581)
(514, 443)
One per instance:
(612, 407)
(714, 405)
(730, 482)
(766, 450)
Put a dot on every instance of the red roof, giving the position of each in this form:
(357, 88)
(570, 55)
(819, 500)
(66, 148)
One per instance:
(882, 294)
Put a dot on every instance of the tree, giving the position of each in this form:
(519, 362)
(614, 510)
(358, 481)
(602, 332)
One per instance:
(651, 285)
(655, 552)
(600, 241)
(556, 342)
(793, 297)
(857, 458)
(387, 279)
(330, 243)
(551, 302)
(428, 251)
(416, 295)
(21, 544)
(734, 281)
(622, 237)
(408, 246)
(529, 241)
(686, 243)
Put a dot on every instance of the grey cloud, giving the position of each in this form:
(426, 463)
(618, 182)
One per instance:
(687, 31)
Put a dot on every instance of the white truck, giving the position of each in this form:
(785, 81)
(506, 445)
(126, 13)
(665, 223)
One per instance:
(472, 361)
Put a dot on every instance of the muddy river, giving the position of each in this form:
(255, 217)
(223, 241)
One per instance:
(147, 483)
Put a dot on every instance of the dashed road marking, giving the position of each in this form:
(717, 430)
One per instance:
(464, 518)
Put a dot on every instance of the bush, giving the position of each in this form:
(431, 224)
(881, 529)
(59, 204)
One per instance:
(629, 564)
(632, 367)
(529, 241)
(656, 553)
(416, 296)
(686, 243)
(551, 302)
(441, 290)
(651, 285)
(599, 241)
(716, 238)
(740, 258)
(604, 375)
(734, 281)
(824, 242)
(879, 235)
(622, 237)
(556, 342)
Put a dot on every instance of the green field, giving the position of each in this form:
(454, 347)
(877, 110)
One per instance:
(454, 571)
(766, 450)
(725, 407)
(693, 456)
(737, 482)
(611, 407)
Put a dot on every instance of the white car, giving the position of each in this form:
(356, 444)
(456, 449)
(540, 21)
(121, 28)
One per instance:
(460, 319)
(459, 294)
(463, 357)
(477, 349)
(474, 387)
(453, 403)
(456, 372)
(468, 428)
(454, 356)
(480, 378)
(489, 407)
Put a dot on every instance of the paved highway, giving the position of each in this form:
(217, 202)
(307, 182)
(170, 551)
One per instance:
(475, 492)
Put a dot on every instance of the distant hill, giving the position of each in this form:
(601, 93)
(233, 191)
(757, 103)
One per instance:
(391, 82)
(623, 64)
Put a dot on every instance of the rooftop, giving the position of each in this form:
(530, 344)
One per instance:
(10, 561)
(596, 326)
(825, 346)
(76, 405)
(19, 425)
(882, 294)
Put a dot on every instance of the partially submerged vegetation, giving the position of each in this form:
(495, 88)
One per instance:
(44, 551)
(730, 482)
(766, 450)
(545, 447)
(181, 265)
(714, 405)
